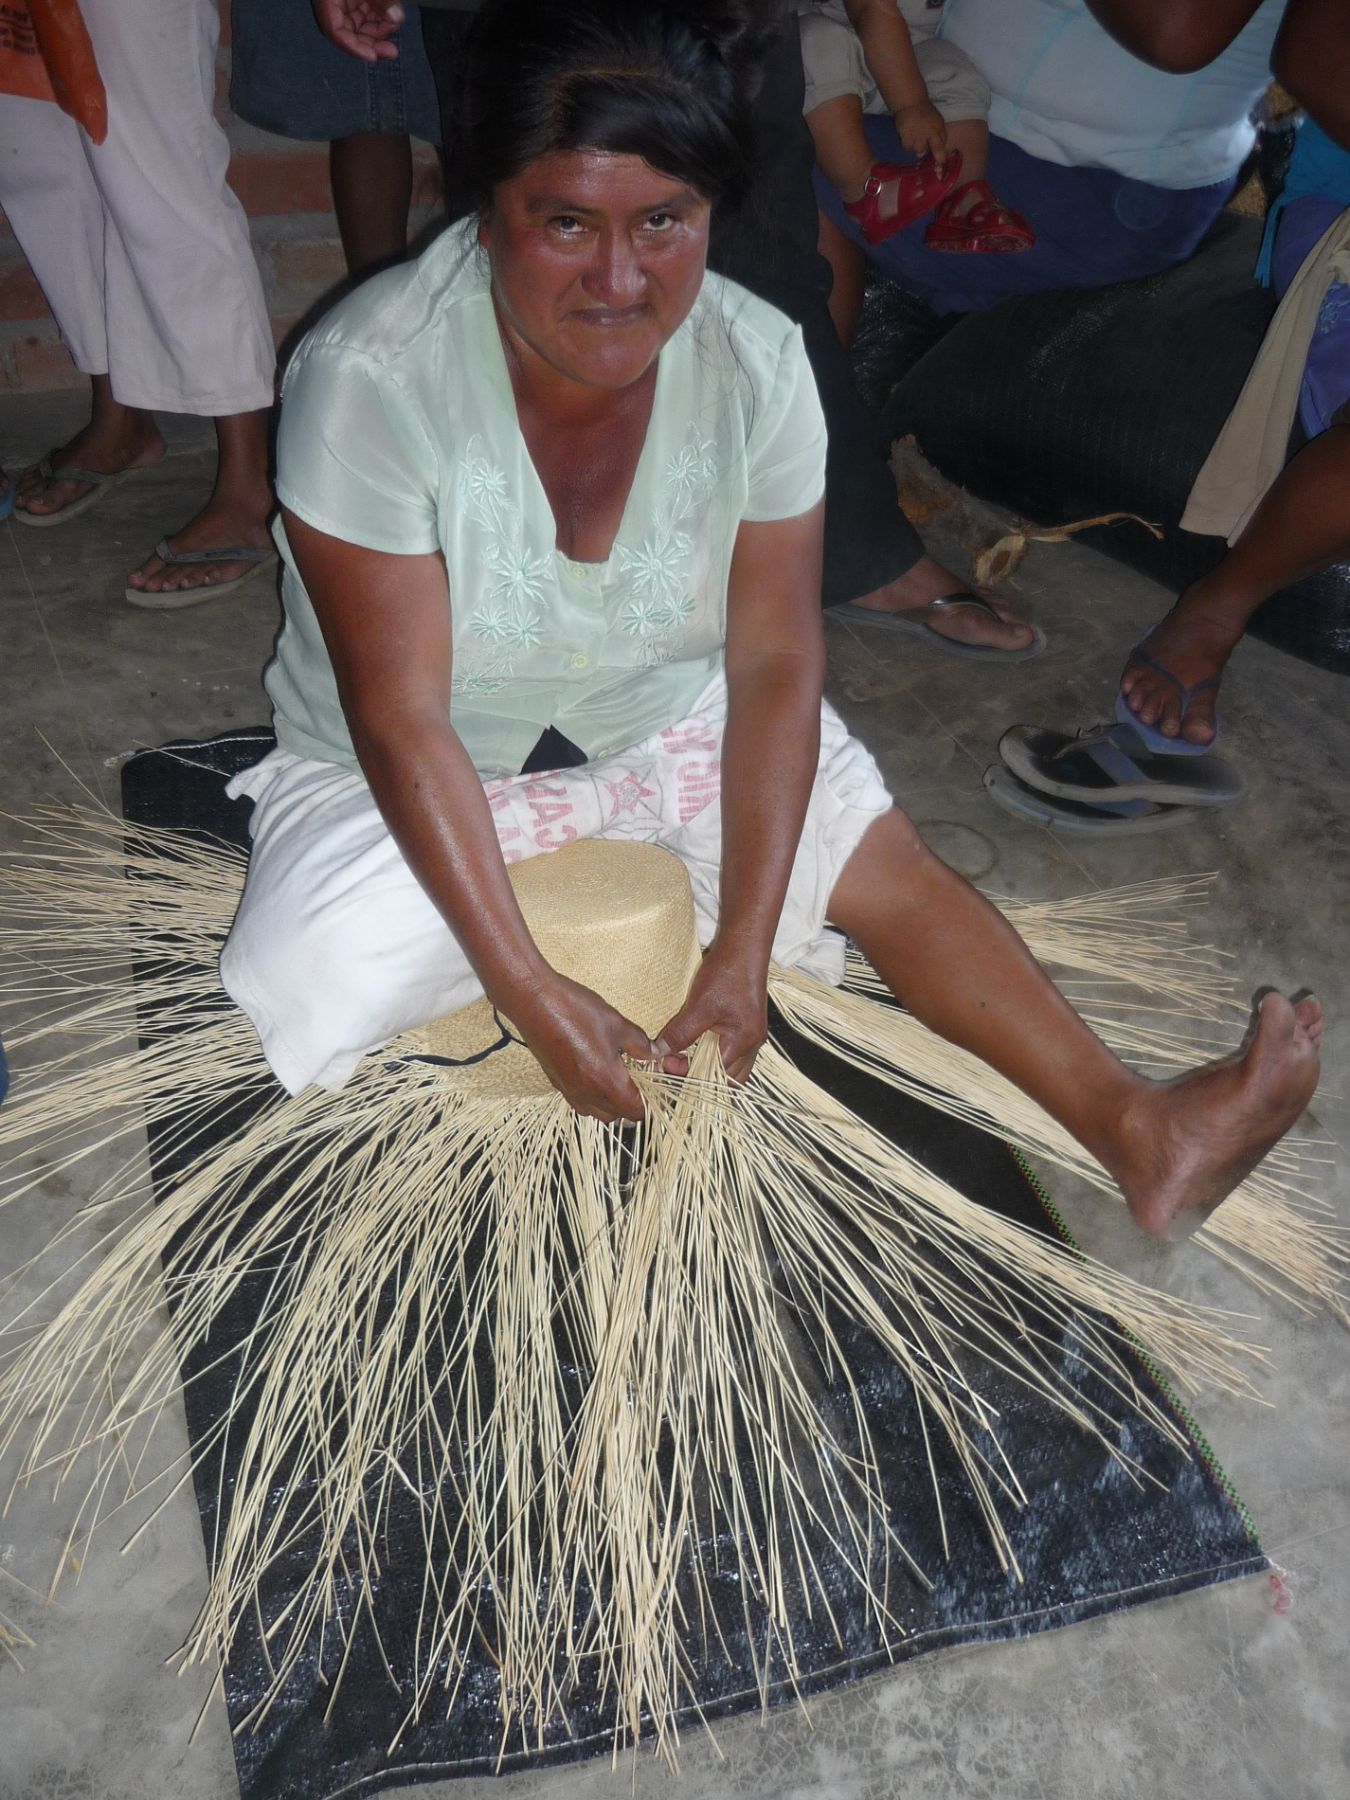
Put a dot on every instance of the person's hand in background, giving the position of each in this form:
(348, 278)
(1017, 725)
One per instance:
(363, 28)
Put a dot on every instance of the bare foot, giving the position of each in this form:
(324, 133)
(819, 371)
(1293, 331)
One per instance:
(124, 438)
(1194, 642)
(224, 522)
(928, 581)
(1194, 1139)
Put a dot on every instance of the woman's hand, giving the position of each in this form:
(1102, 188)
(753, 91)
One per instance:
(363, 28)
(923, 131)
(728, 997)
(580, 1042)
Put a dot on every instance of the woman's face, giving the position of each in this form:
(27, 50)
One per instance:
(596, 260)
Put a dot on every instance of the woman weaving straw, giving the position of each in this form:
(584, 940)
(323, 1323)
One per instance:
(551, 504)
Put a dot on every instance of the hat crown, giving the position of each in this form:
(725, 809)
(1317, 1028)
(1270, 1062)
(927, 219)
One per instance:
(616, 917)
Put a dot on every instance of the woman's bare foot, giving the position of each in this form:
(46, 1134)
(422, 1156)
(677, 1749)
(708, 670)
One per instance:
(1193, 643)
(221, 524)
(928, 581)
(235, 517)
(1191, 1141)
(115, 439)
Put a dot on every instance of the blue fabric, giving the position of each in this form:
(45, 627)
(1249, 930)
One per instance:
(286, 77)
(1318, 167)
(1326, 374)
(1092, 228)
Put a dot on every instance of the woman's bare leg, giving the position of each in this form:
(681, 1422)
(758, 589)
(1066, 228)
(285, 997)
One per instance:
(1174, 1147)
(117, 437)
(848, 273)
(372, 178)
(236, 513)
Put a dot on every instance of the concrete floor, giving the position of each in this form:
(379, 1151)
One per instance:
(1216, 1694)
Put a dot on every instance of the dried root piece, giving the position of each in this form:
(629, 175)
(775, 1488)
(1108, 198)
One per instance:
(998, 562)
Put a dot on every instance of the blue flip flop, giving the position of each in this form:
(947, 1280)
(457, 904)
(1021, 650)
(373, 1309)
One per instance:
(1155, 740)
(6, 499)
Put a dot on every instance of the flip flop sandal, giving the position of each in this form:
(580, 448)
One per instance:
(1155, 740)
(100, 485)
(988, 228)
(1119, 819)
(1112, 763)
(919, 189)
(911, 624)
(6, 498)
(174, 598)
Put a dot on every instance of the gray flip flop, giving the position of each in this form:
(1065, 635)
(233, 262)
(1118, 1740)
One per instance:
(173, 599)
(1123, 819)
(913, 624)
(1109, 763)
(100, 486)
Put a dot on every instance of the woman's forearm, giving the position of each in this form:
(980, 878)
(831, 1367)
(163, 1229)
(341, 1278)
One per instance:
(1312, 60)
(769, 754)
(431, 798)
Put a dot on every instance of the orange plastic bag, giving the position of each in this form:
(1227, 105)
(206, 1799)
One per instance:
(45, 54)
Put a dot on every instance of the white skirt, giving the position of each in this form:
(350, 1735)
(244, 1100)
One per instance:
(336, 947)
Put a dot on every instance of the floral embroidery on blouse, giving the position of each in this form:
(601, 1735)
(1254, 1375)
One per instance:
(510, 615)
(649, 590)
(659, 605)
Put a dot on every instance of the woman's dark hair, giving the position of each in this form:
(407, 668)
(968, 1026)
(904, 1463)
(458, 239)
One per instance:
(671, 81)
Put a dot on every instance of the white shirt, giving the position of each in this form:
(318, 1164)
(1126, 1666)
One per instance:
(1066, 91)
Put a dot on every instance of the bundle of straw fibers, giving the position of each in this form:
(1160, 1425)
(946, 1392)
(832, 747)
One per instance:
(571, 1353)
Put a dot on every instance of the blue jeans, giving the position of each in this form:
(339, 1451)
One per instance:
(287, 78)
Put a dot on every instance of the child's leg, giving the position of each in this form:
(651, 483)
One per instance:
(961, 95)
(842, 149)
(971, 138)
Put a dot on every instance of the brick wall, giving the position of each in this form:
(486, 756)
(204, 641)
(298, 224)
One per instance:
(283, 185)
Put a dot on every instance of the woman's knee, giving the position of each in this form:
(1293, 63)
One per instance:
(889, 856)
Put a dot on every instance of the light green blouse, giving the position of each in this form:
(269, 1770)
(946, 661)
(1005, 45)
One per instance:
(399, 433)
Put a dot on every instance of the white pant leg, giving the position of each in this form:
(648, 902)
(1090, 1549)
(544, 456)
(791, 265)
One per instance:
(336, 949)
(54, 208)
(955, 86)
(187, 326)
(832, 59)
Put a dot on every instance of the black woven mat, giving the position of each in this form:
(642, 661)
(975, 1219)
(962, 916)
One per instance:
(1087, 1540)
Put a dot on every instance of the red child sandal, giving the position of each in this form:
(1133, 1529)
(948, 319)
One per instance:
(918, 188)
(987, 228)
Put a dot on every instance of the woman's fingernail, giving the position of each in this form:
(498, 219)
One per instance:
(660, 1048)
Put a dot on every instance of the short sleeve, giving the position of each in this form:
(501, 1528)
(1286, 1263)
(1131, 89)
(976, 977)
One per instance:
(353, 458)
(786, 444)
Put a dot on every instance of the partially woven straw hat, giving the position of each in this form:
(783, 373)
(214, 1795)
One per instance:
(616, 917)
(584, 1351)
